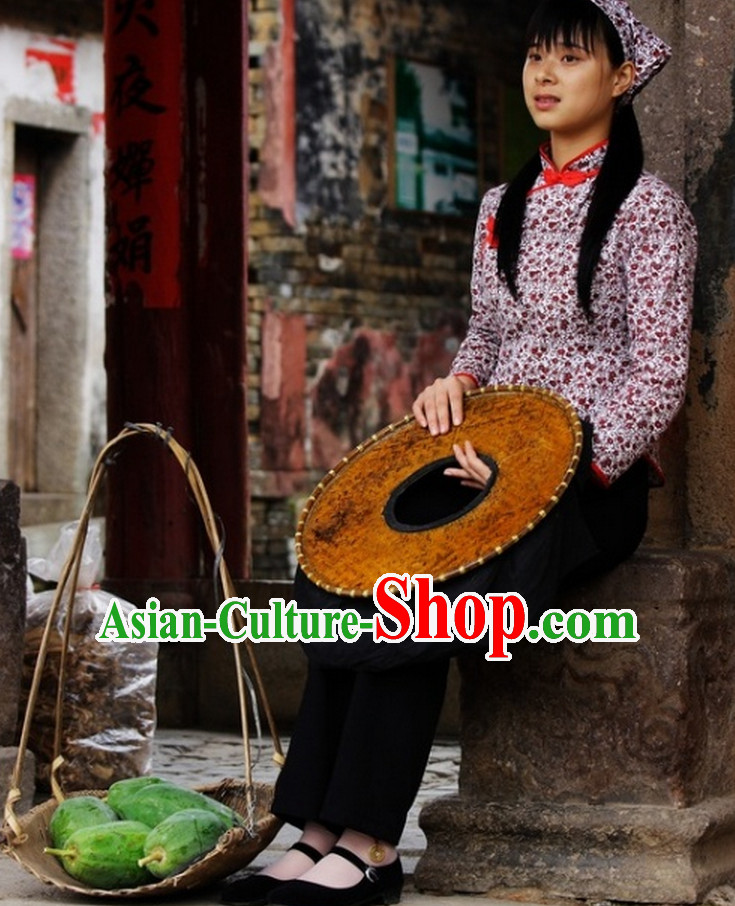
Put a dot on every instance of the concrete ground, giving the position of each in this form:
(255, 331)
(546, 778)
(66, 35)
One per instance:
(194, 758)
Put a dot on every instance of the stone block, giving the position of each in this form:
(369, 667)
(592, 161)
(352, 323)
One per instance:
(602, 769)
(616, 852)
(8, 757)
(12, 608)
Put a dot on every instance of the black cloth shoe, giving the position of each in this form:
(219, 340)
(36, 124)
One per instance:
(378, 885)
(254, 889)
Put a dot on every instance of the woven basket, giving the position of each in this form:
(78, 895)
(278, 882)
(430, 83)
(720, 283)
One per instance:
(236, 848)
(25, 836)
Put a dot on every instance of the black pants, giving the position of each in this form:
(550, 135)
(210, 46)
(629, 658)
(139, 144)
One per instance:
(360, 746)
(369, 712)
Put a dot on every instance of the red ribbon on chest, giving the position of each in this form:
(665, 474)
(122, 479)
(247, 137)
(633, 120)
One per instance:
(554, 177)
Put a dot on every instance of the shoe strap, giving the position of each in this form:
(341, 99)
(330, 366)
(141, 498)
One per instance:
(309, 851)
(350, 857)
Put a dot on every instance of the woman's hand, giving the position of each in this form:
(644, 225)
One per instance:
(440, 406)
(472, 471)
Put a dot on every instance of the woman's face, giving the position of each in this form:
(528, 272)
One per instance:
(571, 90)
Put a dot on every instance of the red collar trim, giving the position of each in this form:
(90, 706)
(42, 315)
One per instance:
(545, 152)
(568, 175)
(569, 178)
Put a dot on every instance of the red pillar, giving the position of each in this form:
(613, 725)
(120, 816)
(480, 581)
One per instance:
(215, 247)
(177, 216)
(150, 529)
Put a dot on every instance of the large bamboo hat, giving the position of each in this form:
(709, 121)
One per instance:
(387, 507)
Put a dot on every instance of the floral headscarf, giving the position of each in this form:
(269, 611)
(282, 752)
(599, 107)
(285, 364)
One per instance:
(641, 46)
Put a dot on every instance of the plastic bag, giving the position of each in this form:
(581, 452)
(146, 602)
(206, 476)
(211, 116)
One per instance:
(109, 706)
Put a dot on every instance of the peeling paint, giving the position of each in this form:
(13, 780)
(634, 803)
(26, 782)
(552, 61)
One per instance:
(706, 381)
(714, 209)
(367, 384)
(283, 380)
(364, 386)
(58, 57)
(277, 176)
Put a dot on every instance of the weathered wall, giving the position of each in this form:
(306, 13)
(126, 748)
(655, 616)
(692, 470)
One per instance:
(687, 119)
(663, 128)
(354, 307)
(708, 105)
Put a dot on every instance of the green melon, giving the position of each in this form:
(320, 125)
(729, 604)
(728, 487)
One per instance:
(106, 856)
(122, 790)
(154, 803)
(74, 814)
(181, 839)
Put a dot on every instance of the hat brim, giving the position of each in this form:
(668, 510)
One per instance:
(388, 508)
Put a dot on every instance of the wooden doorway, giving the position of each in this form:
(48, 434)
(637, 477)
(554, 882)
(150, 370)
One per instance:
(49, 326)
(23, 353)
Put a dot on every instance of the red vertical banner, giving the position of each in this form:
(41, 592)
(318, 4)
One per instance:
(144, 47)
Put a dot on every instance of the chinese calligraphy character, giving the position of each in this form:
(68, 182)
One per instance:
(132, 86)
(134, 251)
(129, 8)
(132, 167)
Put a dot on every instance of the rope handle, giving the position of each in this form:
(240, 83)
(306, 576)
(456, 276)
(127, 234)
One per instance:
(71, 569)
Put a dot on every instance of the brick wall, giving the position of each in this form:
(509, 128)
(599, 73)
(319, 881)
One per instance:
(353, 306)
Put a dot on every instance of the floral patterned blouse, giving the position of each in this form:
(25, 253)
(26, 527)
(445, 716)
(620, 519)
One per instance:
(625, 367)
